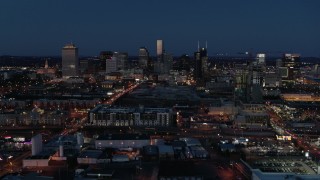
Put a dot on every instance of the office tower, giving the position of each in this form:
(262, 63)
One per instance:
(204, 60)
(272, 79)
(121, 59)
(256, 79)
(183, 63)
(163, 65)
(159, 47)
(278, 63)
(261, 58)
(104, 55)
(83, 65)
(167, 61)
(257, 70)
(201, 66)
(143, 57)
(291, 62)
(111, 65)
(70, 61)
(197, 67)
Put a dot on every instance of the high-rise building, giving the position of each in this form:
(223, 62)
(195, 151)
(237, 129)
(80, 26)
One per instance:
(167, 60)
(143, 57)
(257, 70)
(183, 63)
(159, 47)
(70, 61)
(104, 55)
(278, 63)
(201, 66)
(261, 58)
(111, 65)
(121, 58)
(291, 62)
(164, 64)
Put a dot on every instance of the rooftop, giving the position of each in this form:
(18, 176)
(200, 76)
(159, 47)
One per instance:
(69, 46)
(285, 165)
(109, 109)
(124, 137)
(90, 154)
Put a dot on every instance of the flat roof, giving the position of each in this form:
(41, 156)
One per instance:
(38, 157)
(111, 109)
(90, 154)
(124, 137)
(285, 165)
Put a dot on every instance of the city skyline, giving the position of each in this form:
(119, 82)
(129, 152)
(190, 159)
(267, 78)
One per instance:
(40, 28)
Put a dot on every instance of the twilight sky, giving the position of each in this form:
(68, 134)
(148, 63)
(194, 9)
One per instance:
(42, 27)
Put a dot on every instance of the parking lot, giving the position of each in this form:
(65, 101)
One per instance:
(285, 165)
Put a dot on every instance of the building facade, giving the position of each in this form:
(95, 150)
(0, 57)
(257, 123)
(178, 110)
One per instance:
(122, 141)
(290, 64)
(159, 47)
(143, 57)
(70, 61)
(115, 116)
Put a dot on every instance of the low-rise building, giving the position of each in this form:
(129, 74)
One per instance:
(103, 115)
(272, 168)
(89, 157)
(122, 141)
(36, 161)
(253, 116)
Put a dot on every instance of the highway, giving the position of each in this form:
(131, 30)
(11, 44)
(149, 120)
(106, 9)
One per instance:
(116, 96)
(74, 128)
(307, 147)
(15, 164)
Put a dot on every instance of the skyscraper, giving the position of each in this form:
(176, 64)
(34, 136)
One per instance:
(104, 55)
(143, 57)
(70, 61)
(261, 58)
(159, 47)
(164, 64)
(291, 62)
(201, 67)
(122, 59)
(111, 65)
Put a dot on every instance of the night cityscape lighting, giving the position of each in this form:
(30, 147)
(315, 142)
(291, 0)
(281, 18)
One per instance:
(159, 90)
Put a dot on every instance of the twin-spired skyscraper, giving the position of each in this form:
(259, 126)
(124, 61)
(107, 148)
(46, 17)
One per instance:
(70, 61)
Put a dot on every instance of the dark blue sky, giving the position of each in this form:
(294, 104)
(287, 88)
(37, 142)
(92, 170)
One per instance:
(42, 27)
